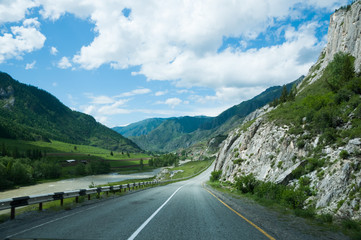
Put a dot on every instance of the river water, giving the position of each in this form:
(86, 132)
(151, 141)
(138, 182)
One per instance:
(73, 184)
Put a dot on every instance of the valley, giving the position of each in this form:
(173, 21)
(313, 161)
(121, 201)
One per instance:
(284, 163)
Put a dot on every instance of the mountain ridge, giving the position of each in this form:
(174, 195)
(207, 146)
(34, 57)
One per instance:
(171, 134)
(29, 113)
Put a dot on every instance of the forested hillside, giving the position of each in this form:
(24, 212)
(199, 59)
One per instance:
(29, 113)
(164, 135)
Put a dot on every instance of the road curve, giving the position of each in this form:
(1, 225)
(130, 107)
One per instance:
(182, 210)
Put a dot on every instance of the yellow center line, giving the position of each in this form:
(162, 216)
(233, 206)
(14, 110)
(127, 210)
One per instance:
(244, 218)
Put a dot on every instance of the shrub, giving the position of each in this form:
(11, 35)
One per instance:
(351, 225)
(339, 70)
(238, 161)
(269, 191)
(358, 111)
(246, 183)
(314, 163)
(215, 175)
(300, 143)
(326, 218)
(329, 136)
(305, 213)
(293, 198)
(344, 154)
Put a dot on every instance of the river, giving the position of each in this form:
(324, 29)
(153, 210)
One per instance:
(73, 184)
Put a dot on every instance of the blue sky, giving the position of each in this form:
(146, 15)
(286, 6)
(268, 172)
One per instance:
(123, 61)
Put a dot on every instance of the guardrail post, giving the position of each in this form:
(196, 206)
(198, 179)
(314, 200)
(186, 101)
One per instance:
(41, 206)
(88, 196)
(12, 215)
(99, 189)
(62, 202)
(77, 199)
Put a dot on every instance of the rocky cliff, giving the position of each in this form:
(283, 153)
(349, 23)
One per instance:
(275, 152)
(344, 34)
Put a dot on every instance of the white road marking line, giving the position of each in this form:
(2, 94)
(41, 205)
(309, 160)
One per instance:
(54, 220)
(152, 216)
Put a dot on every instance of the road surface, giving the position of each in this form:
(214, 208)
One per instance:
(182, 210)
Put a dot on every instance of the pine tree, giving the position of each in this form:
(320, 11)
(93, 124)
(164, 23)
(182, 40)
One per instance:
(284, 95)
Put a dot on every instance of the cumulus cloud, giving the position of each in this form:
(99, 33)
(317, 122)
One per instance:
(161, 93)
(179, 40)
(53, 51)
(30, 65)
(14, 10)
(236, 68)
(172, 102)
(138, 91)
(102, 106)
(229, 95)
(100, 99)
(21, 39)
(64, 63)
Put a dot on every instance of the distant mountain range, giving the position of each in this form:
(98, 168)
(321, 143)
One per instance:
(169, 134)
(29, 113)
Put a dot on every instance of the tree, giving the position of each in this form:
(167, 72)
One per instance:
(339, 71)
(141, 164)
(111, 153)
(3, 150)
(284, 95)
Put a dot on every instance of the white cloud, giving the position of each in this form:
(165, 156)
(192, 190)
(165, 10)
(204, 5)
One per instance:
(134, 92)
(55, 84)
(236, 68)
(88, 109)
(53, 51)
(64, 63)
(113, 109)
(229, 96)
(21, 40)
(172, 102)
(161, 93)
(14, 10)
(100, 100)
(179, 40)
(104, 105)
(101, 119)
(30, 65)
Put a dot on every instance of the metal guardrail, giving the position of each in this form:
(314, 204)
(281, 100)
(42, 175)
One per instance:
(12, 203)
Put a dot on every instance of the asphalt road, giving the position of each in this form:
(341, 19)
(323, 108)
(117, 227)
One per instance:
(183, 210)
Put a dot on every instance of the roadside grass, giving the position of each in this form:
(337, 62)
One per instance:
(117, 164)
(190, 169)
(347, 226)
(128, 181)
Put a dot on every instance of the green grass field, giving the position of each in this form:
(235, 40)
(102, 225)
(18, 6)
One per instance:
(190, 169)
(64, 151)
(60, 152)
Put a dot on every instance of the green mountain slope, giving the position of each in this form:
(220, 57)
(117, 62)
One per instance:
(28, 113)
(140, 128)
(170, 134)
